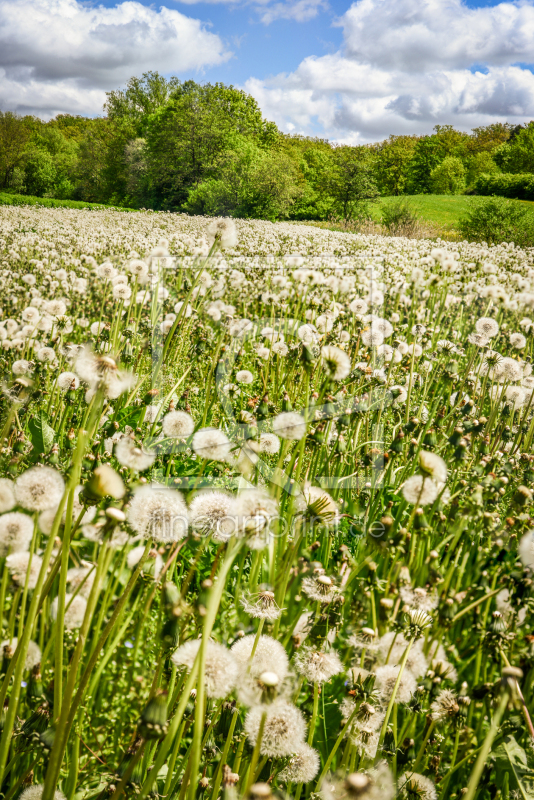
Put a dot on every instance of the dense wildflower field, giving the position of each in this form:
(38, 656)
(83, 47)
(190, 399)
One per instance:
(265, 512)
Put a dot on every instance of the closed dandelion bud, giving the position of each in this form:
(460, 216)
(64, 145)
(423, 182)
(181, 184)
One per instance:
(430, 439)
(7, 655)
(389, 744)
(225, 719)
(341, 445)
(35, 684)
(171, 596)
(308, 356)
(344, 420)
(329, 408)
(318, 436)
(47, 737)
(36, 724)
(260, 791)
(286, 403)
(104, 482)
(229, 778)
(262, 410)
(522, 497)
(170, 632)
(397, 444)
(153, 722)
(456, 437)
(420, 521)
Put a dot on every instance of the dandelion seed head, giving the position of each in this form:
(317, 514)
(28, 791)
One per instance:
(214, 513)
(284, 728)
(317, 666)
(24, 570)
(289, 425)
(7, 495)
(336, 362)
(33, 654)
(129, 454)
(158, 513)
(152, 566)
(488, 327)
(177, 425)
(386, 677)
(221, 669)
(212, 444)
(411, 785)
(75, 607)
(302, 767)
(419, 490)
(16, 531)
(269, 443)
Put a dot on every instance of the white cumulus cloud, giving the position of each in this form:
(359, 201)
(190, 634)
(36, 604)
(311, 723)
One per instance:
(61, 55)
(407, 65)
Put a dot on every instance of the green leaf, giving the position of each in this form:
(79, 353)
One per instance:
(510, 754)
(41, 434)
(129, 416)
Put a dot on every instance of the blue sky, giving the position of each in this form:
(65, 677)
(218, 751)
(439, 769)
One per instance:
(352, 72)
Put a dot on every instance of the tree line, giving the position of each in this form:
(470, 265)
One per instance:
(165, 144)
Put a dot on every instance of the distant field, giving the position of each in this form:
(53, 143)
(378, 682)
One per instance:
(440, 209)
(7, 199)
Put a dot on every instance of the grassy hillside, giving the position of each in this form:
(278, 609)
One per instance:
(441, 209)
(7, 199)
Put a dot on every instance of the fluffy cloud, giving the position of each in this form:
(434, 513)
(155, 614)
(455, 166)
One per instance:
(61, 55)
(407, 65)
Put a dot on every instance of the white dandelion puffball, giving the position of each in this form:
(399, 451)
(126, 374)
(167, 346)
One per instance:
(244, 376)
(284, 728)
(269, 443)
(525, 548)
(433, 465)
(214, 513)
(82, 578)
(256, 510)
(23, 571)
(75, 607)
(7, 495)
(33, 655)
(152, 566)
(289, 425)
(487, 327)
(386, 678)
(158, 513)
(302, 767)
(220, 671)
(178, 425)
(134, 456)
(420, 491)
(336, 362)
(411, 784)
(212, 444)
(39, 488)
(317, 666)
(67, 381)
(36, 793)
(16, 531)
(318, 506)
(270, 656)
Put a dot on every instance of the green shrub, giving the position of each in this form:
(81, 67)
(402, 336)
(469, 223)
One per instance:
(399, 217)
(520, 187)
(495, 220)
(448, 177)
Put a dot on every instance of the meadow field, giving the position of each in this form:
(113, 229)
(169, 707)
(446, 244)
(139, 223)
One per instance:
(266, 521)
